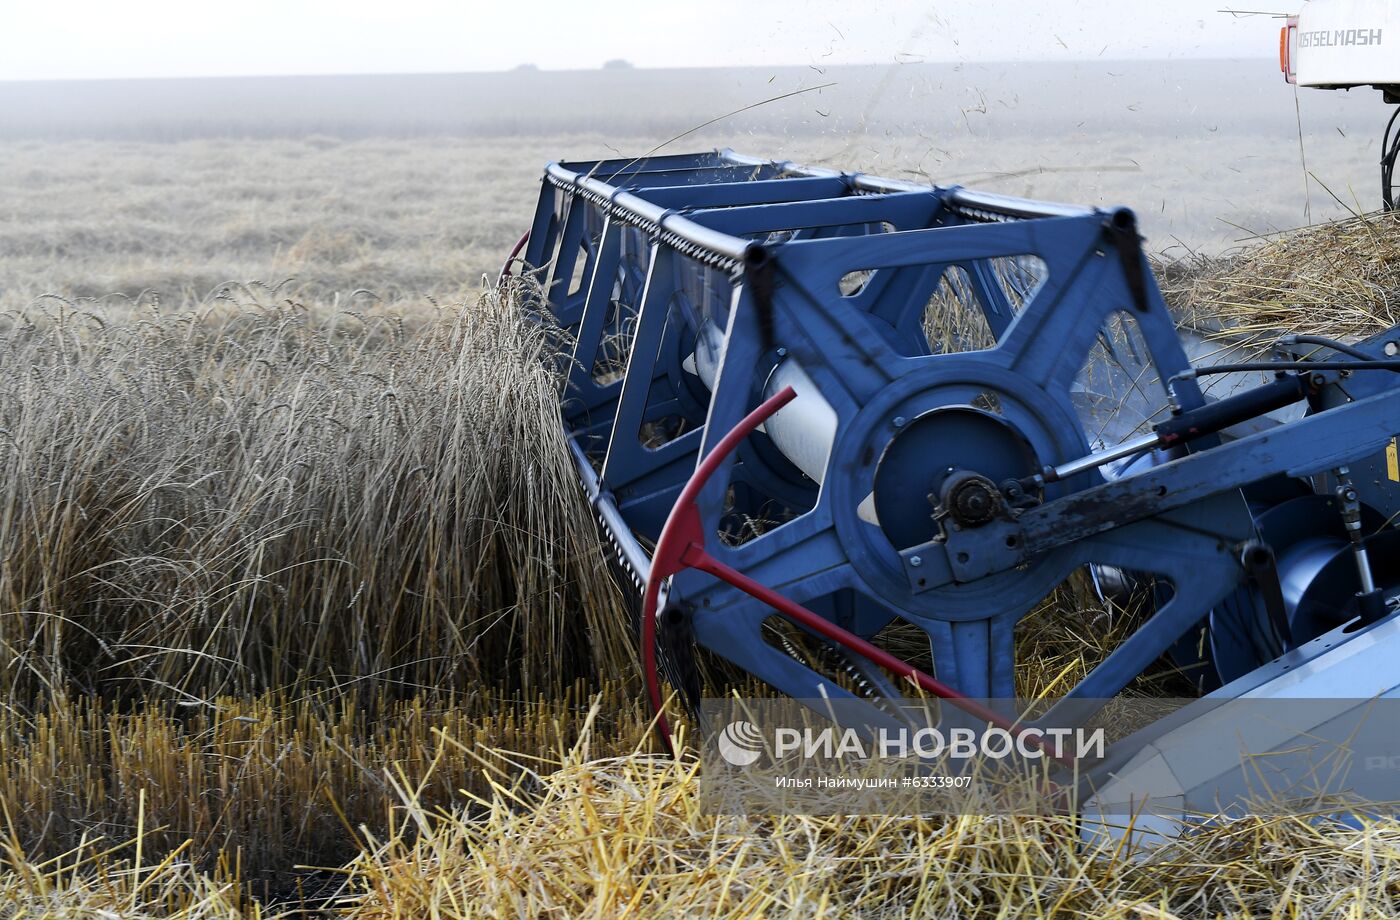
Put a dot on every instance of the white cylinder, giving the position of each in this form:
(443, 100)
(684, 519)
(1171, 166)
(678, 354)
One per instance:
(804, 429)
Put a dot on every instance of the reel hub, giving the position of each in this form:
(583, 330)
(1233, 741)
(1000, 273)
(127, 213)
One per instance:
(957, 454)
(925, 434)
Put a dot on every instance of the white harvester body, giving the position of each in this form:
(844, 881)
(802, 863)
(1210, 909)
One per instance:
(1340, 44)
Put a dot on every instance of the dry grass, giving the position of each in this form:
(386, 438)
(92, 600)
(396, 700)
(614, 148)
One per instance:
(261, 496)
(270, 781)
(257, 554)
(577, 828)
(1339, 279)
(408, 217)
(85, 883)
(399, 218)
(596, 837)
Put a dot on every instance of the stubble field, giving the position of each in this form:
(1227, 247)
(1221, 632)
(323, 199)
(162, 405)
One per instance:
(398, 220)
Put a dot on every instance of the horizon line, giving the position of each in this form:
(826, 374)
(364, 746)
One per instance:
(532, 69)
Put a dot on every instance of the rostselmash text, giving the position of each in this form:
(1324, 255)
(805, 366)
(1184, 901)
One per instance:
(1339, 38)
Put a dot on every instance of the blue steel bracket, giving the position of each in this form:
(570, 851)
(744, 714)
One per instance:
(645, 480)
(1315, 444)
(867, 382)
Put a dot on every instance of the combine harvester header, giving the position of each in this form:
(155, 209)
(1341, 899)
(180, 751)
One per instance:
(808, 405)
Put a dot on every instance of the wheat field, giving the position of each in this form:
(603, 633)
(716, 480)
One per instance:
(302, 614)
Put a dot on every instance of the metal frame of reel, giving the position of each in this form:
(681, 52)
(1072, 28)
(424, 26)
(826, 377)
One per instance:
(762, 249)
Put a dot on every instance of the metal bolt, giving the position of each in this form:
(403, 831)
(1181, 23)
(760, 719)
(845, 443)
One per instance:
(1392, 349)
(898, 421)
(916, 561)
(782, 352)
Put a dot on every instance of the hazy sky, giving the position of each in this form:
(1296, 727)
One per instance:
(65, 39)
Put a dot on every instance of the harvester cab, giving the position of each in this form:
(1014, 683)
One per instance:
(815, 409)
(1344, 44)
